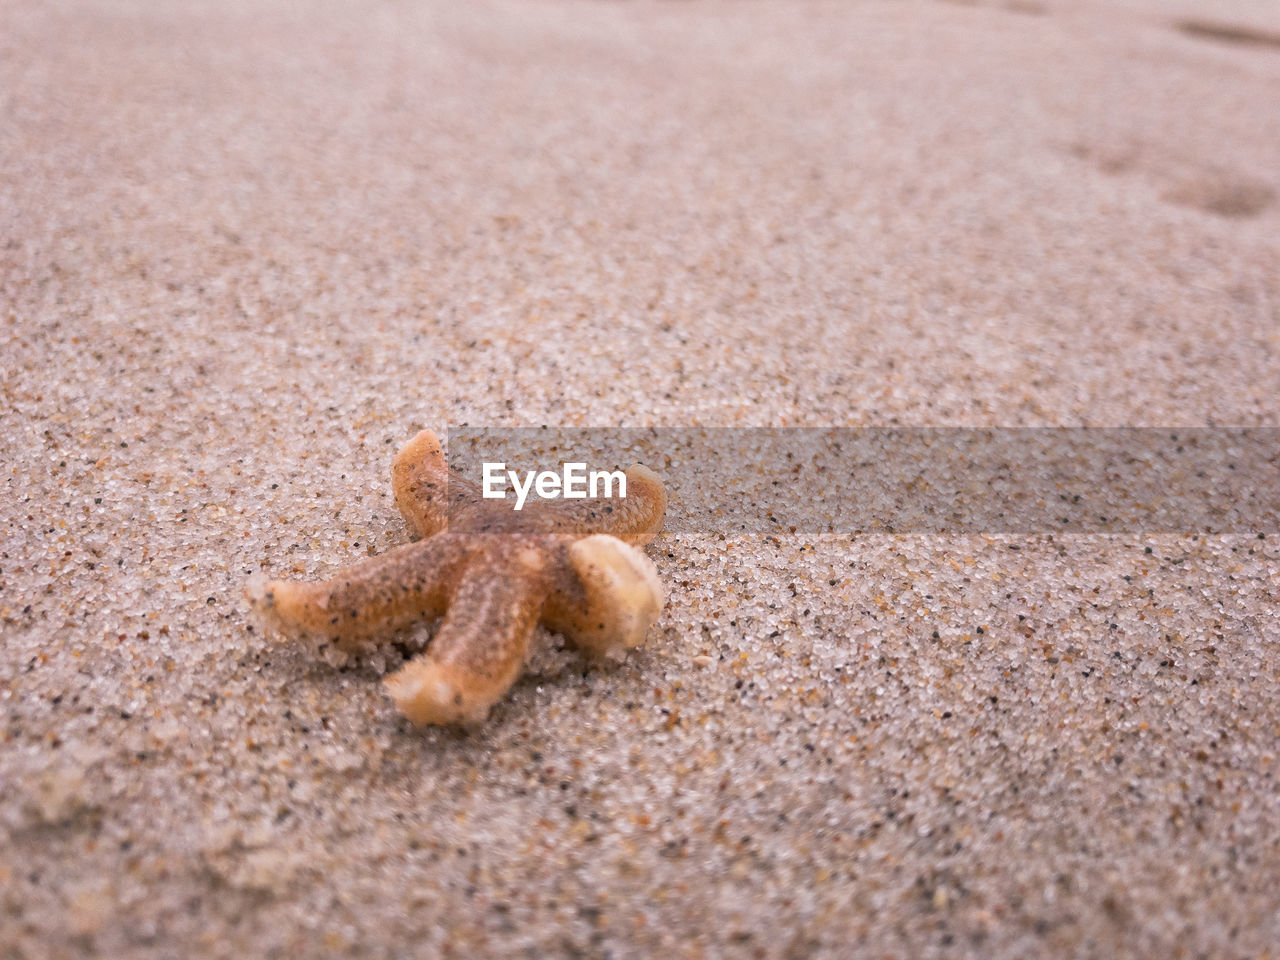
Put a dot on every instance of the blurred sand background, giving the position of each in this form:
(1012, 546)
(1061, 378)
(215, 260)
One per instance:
(247, 248)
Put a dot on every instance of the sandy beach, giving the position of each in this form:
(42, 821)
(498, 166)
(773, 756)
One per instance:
(248, 249)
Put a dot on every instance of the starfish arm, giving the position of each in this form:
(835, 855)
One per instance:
(420, 481)
(605, 595)
(425, 490)
(636, 518)
(477, 653)
(375, 595)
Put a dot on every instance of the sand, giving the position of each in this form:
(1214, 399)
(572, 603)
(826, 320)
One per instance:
(246, 249)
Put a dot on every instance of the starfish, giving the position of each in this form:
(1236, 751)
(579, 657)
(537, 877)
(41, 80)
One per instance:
(573, 566)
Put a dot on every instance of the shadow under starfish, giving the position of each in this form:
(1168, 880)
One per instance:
(493, 574)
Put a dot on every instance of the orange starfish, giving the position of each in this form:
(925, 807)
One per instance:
(493, 574)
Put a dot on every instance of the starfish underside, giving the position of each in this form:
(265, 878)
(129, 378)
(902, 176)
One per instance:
(493, 574)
